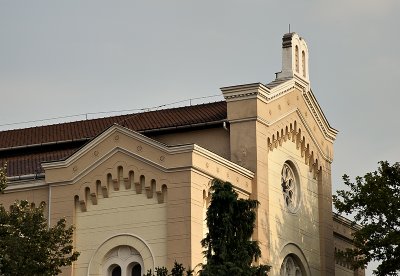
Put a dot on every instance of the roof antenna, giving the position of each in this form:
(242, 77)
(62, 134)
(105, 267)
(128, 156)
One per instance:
(289, 28)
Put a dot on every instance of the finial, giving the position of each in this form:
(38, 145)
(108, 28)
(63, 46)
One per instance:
(289, 28)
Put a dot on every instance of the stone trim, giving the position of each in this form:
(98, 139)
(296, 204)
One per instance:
(95, 264)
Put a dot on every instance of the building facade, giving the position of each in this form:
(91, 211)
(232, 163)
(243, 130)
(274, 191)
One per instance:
(136, 187)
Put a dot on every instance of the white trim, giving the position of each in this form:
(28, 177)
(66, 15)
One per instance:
(225, 162)
(119, 235)
(260, 91)
(107, 133)
(180, 149)
(16, 186)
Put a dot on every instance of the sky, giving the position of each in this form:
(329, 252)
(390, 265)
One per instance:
(64, 58)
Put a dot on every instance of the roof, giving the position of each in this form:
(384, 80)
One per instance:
(25, 149)
(276, 82)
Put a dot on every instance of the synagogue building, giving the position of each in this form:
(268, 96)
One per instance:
(136, 186)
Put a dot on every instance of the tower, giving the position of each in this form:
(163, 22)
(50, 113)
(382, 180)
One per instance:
(278, 131)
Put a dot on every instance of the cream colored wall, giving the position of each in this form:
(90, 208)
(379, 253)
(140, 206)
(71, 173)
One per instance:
(99, 190)
(35, 191)
(341, 267)
(342, 235)
(200, 185)
(300, 228)
(126, 212)
(343, 271)
(213, 139)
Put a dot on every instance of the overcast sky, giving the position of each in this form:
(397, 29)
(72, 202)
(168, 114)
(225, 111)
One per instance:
(60, 58)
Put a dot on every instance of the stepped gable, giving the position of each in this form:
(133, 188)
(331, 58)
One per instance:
(25, 149)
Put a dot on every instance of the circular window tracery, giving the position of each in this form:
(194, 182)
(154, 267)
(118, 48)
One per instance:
(290, 187)
(290, 267)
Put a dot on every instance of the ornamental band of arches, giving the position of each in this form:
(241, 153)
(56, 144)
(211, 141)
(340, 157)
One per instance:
(128, 178)
(293, 132)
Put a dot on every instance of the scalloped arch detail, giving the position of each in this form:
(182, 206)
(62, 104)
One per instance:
(293, 132)
(121, 176)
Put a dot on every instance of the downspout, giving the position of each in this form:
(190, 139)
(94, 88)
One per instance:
(224, 125)
(49, 208)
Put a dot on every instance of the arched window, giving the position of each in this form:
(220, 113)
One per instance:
(116, 271)
(136, 270)
(290, 267)
(123, 261)
(303, 62)
(296, 54)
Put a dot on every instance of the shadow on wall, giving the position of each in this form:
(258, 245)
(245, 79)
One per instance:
(294, 211)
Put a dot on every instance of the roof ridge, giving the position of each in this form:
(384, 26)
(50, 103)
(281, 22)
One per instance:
(83, 130)
(110, 117)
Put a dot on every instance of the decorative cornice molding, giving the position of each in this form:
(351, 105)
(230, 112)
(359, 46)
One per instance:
(170, 150)
(303, 120)
(260, 91)
(22, 185)
(107, 133)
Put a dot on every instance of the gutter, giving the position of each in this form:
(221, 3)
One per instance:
(44, 144)
(26, 177)
(213, 123)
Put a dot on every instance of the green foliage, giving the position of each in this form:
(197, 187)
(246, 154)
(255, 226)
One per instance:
(3, 178)
(161, 271)
(375, 202)
(177, 270)
(229, 249)
(28, 246)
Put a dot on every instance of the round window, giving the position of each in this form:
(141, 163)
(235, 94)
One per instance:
(290, 187)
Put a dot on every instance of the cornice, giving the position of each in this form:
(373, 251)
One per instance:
(170, 150)
(262, 92)
(222, 161)
(107, 133)
(303, 120)
(22, 185)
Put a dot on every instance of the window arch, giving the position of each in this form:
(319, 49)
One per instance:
(123, 261)
(298, 260)
(303, 62)
(115, 270)
(291, 267)
(135, 270)
(296, 54)
(101, 260)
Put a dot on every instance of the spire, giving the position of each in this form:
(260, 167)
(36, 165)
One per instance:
(294, 57)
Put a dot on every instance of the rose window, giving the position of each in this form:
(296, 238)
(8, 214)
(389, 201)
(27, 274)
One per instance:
(290, 188)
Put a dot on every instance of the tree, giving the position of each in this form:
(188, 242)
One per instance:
(374, 200)
(28, 246)
(3, 178)
(177, 270)
(229, 249)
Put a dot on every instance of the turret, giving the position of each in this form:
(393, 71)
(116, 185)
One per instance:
(294, 57)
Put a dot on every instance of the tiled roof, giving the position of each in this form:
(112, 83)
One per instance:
(25, 149)
(30, 163)
(173, 117)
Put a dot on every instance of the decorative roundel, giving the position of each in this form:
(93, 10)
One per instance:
(290, 187)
